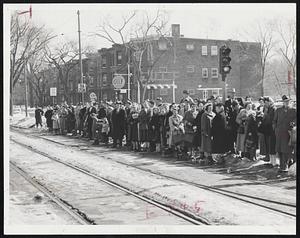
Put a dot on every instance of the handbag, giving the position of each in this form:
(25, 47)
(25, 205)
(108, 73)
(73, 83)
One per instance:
(293, 136)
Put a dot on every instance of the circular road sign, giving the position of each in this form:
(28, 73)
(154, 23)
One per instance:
(93, 96)
(118, 81)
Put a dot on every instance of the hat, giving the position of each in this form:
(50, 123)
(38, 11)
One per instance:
(185, 91)
(207, 104)
(219, 104)
(262, 98)
(285, 98)
(118, 102)
(151, 102)
(159, 98)
(129, 102)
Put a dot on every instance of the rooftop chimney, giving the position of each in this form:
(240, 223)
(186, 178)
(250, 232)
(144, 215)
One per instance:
(175, 30)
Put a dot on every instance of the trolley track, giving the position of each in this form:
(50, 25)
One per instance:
(187, 216)
(75, 213)
(273, 205)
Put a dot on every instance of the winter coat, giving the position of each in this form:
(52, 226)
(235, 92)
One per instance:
(197, 123)
(133, 126)
(118, 123)
(219, 134)
(154, 128)
(283, 118)
(206, 121)
(48, 116)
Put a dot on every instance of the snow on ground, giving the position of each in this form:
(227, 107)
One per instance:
(216, 208)
(25, 209)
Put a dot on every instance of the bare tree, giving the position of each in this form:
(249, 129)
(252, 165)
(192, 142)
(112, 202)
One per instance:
(262, 32)
(286, 30)
(38, 77)
(138, 39)
(26, 41)
(64, 59)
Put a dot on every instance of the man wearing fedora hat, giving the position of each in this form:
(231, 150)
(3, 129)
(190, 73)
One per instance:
(283, 118)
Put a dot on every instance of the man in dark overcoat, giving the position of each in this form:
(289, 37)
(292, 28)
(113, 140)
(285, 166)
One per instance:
(219, 132)
(283, 118)
(38, 116)
(118, 124)
(48, 116)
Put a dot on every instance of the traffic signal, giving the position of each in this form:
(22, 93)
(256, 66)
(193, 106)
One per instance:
(224, 60)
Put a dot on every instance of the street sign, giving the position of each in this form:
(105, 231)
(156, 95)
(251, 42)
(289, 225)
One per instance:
(123, 90)
(81, 87)
(52, 92)
(93, 96)
(118, 81)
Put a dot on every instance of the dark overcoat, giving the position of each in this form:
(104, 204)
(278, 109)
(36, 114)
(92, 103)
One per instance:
(206, 120)
(197, 123)
(48, 116)
(281, 124)
(118, 124)
(219, 134)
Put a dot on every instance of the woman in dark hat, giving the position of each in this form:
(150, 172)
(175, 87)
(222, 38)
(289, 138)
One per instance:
(118, 124)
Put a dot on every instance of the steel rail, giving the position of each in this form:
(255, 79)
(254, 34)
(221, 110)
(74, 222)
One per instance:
(78, 216)
(210, 188)
(186, 215)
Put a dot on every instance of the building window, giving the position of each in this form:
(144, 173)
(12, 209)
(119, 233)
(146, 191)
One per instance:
(214, 72)
(215, 92)
(119, 57)
(190, 47)
(158, 75)
(204, 73)
(104, 79)
(104, 96)
(104, 61)
(168, 75)
(214, 50)
(190, 69)
(151, 94)
(162, 69)
(163, 91)
(176, 74)
(204, 50)
(191, 91)
(91, 80)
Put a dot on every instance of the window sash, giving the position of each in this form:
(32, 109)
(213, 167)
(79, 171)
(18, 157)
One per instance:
(190, 68)
(204, 50)
(214, 50)
(204, 73)
(214, 72)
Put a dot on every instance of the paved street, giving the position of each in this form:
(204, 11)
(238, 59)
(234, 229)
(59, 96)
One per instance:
(151, 176)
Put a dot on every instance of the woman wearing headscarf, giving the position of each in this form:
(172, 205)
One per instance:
(133, 119)
(176, 125)
(206, 123)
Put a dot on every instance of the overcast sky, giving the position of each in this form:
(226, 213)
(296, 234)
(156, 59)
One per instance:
(213, 21)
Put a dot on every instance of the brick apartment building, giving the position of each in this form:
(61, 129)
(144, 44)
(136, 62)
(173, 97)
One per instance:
(188, 63)
(181, 64)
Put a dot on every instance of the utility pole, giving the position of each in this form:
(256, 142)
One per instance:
(128, 72)
(80, 60)
(26, 90)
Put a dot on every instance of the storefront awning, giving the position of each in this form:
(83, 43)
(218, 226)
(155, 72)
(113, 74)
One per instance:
(161, 86)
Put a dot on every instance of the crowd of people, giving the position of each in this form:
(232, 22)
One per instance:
(198, 128)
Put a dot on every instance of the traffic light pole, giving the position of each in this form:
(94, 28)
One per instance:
(224, 87)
